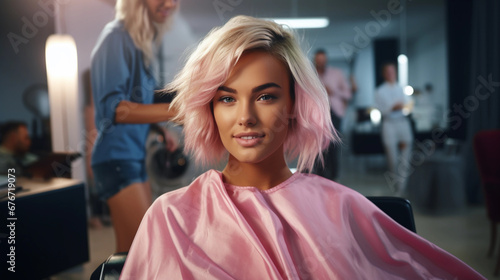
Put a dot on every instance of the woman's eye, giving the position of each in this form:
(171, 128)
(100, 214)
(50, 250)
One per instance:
(226, 99)
(266, 97)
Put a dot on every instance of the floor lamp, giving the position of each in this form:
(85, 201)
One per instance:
(62, 80)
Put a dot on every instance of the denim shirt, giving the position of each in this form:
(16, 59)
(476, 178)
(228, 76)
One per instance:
(118, 73)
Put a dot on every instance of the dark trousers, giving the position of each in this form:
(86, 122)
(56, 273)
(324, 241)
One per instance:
(331, 156)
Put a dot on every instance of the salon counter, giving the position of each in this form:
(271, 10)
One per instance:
(45, 228)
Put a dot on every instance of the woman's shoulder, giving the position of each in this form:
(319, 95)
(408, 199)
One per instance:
(186, 205)
(318, 181)
(114, 35)
(327, 187)
(191, 193)
(115, 27)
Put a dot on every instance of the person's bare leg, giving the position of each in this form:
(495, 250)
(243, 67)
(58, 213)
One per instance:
(127, 209)
(149, 190)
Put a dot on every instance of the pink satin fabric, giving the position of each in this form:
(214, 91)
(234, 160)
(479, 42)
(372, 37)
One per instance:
(305, 228)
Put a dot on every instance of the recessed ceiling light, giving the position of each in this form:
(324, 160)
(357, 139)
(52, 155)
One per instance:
(299, 23)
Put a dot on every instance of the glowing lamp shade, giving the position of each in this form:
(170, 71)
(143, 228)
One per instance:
(61, 57)
(62, 80)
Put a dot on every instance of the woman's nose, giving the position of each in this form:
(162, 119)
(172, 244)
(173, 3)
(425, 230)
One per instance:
(247, 115)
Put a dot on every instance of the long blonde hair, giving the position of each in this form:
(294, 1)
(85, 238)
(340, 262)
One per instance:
(143, 31)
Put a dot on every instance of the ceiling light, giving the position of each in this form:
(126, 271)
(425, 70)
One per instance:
(298, 23)
(403, 70)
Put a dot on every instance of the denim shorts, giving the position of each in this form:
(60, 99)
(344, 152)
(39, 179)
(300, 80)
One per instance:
(112, 176)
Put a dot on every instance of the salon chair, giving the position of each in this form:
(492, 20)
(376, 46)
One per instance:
(395, 207)
(487, 153)
(399, 209)
(111, 268)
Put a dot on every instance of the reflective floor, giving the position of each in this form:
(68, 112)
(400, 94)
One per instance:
(465, 233)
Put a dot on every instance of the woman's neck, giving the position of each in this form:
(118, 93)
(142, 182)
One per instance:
(263, 175)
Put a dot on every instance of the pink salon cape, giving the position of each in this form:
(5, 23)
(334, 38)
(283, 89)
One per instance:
(305, 228)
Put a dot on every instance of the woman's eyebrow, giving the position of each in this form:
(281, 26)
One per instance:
(254, 90)
(265, 86)
(224, 88)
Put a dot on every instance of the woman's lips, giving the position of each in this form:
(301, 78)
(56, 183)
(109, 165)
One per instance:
(248, 139)
(164, 13)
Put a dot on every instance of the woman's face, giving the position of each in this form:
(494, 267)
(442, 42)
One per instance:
(252, 108)
(160, 10)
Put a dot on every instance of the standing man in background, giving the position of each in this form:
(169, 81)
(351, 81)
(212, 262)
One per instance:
(339, 94)
(397, 135)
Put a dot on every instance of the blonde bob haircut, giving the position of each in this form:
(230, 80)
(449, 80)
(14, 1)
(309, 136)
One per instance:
(208, 67)
(144, 32)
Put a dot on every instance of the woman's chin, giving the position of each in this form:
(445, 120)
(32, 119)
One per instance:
(248, 159)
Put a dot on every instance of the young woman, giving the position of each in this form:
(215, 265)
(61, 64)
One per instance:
(123, 83)
(248, 92)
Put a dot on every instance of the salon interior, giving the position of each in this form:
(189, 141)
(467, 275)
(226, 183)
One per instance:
(447, 57)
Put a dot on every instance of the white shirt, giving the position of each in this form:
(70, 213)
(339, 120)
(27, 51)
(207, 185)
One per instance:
(386, 96)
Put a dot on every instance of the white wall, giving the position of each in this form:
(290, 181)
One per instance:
(364, 73)
(178, 42)
(427, 56)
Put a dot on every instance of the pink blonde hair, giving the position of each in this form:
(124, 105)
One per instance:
(208, 67)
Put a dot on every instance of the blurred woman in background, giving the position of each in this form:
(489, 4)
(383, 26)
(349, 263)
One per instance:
(124, 73)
